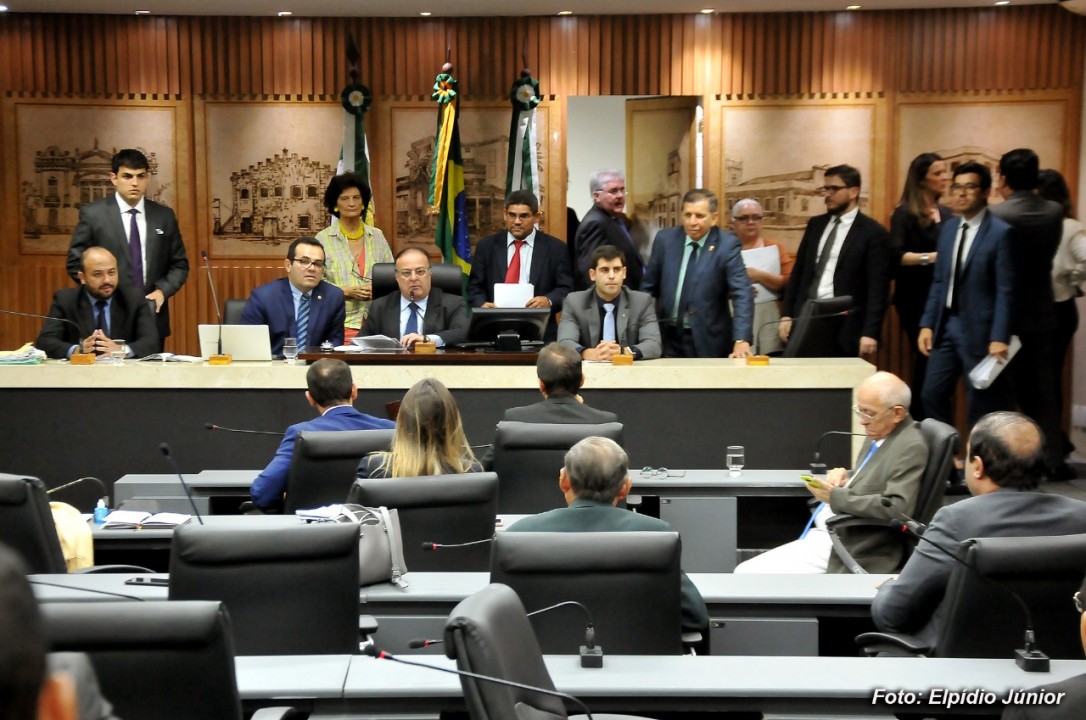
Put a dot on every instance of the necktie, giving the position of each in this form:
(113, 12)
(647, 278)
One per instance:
(824, 259)
(103, 318)
(302, 326)
(412, 319)
(688, 282)
(958, 260)
(512, 275)
(135, 249)
(609, 322)
(814, 513)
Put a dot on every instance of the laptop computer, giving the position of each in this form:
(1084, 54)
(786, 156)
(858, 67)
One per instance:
(243, 342)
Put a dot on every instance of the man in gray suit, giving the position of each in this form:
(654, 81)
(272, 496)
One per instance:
(142, 235)
(891, 465)
(1004, 460)
(609, 319)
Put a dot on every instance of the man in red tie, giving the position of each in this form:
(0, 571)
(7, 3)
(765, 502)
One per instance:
(522, 254)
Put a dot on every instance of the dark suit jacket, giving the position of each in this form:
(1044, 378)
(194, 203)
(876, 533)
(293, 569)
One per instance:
(272, 304)
(1072, 706)
(130, 318)
(550, 273)
(719, 277)
(561, 409)
(598, 228)
(894, 472)
(1037, 226)
(445, 316)
(591, 516)
(985, 297)
(914, 602)
(862, 272)
(166, 266)
(635, 321)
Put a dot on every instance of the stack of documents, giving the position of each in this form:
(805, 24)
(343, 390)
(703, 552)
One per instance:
(26, 355)
(132, 519)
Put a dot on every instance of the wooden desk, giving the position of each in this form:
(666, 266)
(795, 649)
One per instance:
(441, 357)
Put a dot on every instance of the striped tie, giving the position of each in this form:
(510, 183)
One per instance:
(302, 332)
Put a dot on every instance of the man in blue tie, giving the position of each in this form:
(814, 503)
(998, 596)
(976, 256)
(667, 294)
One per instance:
(890, 466)
(608, 318)
(302, 305)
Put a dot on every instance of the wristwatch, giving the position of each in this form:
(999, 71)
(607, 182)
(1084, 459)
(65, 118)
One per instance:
(925, 259)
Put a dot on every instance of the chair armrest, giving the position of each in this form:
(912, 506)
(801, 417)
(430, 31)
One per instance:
(875, 643)
(272, 713)
(367, 625)
(845, 520)
(94, 569)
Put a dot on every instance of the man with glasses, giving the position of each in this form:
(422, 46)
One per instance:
(1004, 463)
(703, 296)
(890, 466)
(843, 252)
(419, 312)
(968, 313)
(302, 305)
(605, 224)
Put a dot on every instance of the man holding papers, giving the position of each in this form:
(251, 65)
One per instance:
(969, 311)
(522, 256)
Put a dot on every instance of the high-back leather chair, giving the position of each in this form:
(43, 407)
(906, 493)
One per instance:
(815, 331)
(166, 660)
(628, 581)
(982, 619)
(232, 310)
(446, 276)
(528, 456)
(289, 590)
(325, 463)
(442, 509)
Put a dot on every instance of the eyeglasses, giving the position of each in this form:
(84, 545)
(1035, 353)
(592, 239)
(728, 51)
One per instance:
(1078, 603)
(416, 272)
(865, 415)
(748, 218)
(968, 187)
(307, 263)
(649, 471)
(830, 189)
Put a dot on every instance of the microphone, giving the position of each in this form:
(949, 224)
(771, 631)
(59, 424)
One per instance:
(817, 467)
(908, 524)
(165, 450)
(220, 358)
(95, 480)
(212, 426)
(778, 321)
(382, 655)
(417, 643)
(591, 654)
(78, 330)
(1029, 658)
(431, 545)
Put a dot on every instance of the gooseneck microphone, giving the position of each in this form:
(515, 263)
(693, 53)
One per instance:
(420, 643)
(214, 297)
(77, 481)
(382, 655)
(79, 331)
(591, 653)
(431, 545)
(165, 450)
(1029, 658)
(213, 426)
(818, 467)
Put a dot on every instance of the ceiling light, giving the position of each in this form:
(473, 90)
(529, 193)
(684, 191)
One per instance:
(853, 7)
(1004, 2)
(3, 8)
(285, 13)
(426, 13)
(707, 11)
(143, 12)
(565, 12)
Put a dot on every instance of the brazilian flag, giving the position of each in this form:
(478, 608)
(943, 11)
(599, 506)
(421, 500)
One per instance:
(447, 197)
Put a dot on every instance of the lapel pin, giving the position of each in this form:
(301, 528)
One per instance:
(160, 231)
(712, 248)
(318, 297)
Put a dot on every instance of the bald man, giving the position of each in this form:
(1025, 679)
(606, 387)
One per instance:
(105, 314)
(889, 466)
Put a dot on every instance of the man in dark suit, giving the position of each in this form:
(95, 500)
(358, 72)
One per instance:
(694, 273)
(302, 305)
(140, 233)
(419, 312)
(968, 313)
(1036, 229)
(603, 225)
(101, 309)
(843, 252)
(593, 479)
(331, 392)
(1004, 462)
(609, 319)
(522, 254)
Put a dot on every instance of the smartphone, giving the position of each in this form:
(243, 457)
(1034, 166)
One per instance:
(148, 580)
(811, 481)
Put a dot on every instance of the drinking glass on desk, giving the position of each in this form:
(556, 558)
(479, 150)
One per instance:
(117, 356)
(735, 460)
(290, 350)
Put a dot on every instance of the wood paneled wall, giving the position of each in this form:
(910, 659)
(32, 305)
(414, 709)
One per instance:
(737, 56)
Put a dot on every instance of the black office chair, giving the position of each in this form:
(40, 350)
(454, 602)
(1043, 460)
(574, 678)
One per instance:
(489, 634)
(815, 332)
(446, 276)
(325, 463)
(982, 619)
(443, 509)
(231, 311)
(528, 456)
(166, 660)
(629, 581)
(943, 444)
(290, 591)
(26, 525)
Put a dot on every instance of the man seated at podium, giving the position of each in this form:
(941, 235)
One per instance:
(331, 392)
(890, 466)
(594, 478)
(99, 309)
(419, 312)
(302, 305)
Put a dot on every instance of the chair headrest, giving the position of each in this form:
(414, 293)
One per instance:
(571, 552)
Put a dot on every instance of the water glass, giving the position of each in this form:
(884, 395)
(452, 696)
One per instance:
(290, 350)
(735, 460)
(117, 356)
